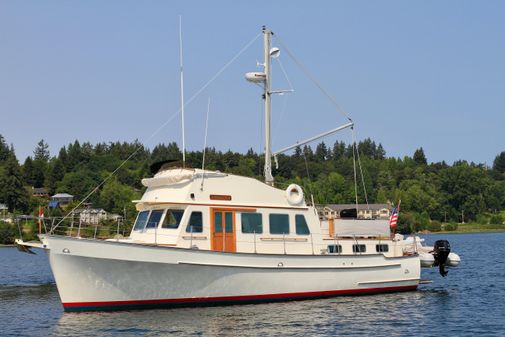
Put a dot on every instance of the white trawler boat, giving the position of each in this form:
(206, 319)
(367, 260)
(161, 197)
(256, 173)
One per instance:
(206, 238)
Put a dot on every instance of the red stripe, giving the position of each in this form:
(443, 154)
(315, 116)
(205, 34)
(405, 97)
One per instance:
(244, 298)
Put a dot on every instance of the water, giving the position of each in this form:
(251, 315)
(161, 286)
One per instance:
(469, 302)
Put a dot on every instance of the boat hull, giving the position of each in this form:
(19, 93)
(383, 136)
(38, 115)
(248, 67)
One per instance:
(98, 275)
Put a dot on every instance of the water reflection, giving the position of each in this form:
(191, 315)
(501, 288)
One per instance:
(392, 314)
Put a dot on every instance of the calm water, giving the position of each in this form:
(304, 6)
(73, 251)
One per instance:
(469, 302)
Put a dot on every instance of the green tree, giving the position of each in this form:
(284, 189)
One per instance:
(499, 163)
(12, 191)
(56, 174)
(419, 157)
(4, 150)
(41, 152)
(29, 172)
(116, 197)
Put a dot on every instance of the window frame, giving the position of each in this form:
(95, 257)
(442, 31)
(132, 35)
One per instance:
(301, 216)
(258, 215)
(379, 248)
(167, 210)
(153, 211)
(338, 250)
(283, 215)
(145, 221)
(356, 248)
(189, 225)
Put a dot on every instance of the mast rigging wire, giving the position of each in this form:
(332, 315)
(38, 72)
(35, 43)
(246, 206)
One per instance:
(361, 171)
(205, 143)
(312, 78)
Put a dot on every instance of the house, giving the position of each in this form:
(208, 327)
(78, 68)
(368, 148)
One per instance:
(40, 192)
(3, 211)
(92, 216)
(60, 199)
(370, 211)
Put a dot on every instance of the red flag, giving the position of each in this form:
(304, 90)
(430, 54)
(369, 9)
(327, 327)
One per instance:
(41, 218)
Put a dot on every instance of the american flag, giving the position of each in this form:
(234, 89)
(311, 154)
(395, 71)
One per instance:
(394, 217)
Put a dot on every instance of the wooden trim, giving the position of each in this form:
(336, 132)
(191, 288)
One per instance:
(331, 227)
(284, 239)
(199, 237)
(221, 205)
(220, 197)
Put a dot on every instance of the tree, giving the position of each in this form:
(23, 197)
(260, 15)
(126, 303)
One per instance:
(116, 197)
(321, 152)
(41, 152)
(29, 172)
(56, 173)
(419, 157)
(12, 191)
(499, 163)
(4, 150)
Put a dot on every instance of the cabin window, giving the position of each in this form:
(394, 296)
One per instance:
(279, 224)
(358, 248)
(382, 248)
(252, 223)
(172, 219)
(154, 218)
(335, 249)
(195, 224)
(301, 225)
(228, 222)
(141, 221)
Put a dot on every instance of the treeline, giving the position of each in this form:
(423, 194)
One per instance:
(429, 192)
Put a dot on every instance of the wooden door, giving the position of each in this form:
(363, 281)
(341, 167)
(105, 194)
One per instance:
(223, 230)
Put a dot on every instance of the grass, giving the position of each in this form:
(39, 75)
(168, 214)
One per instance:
(476, 228)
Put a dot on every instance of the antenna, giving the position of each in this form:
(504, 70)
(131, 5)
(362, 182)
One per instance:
(182, 93)
(205, 143)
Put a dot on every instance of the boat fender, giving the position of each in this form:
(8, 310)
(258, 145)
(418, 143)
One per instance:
(294, 194)
(441, 250)
(427, 260)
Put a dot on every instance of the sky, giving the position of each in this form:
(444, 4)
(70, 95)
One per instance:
(410, 74)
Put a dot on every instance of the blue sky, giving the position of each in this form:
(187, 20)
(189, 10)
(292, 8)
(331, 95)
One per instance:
(410, 73)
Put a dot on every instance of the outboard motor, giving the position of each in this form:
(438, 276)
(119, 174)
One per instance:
(441, 250)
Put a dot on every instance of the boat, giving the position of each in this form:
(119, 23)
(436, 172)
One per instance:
(205, 237)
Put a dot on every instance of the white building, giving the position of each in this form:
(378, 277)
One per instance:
(370, 211)
(92, 216)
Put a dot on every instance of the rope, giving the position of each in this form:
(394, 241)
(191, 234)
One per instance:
(354, 166)
(195, 95)
(312, 78)
(361, 172)
(308, 177)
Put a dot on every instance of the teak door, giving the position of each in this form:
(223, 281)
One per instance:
(223, 230)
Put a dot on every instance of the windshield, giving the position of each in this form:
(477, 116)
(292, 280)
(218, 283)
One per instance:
(141, 221)
(172, 218)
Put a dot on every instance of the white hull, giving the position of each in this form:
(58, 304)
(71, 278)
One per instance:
(103, 275)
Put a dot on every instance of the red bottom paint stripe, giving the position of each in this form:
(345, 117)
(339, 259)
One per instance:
(110, 305)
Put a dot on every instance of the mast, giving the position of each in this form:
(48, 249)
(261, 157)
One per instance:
(182, 93)
(269, 179)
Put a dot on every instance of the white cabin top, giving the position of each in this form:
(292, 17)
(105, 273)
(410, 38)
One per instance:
(184, 186)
